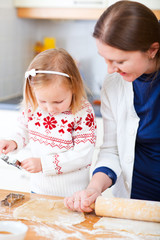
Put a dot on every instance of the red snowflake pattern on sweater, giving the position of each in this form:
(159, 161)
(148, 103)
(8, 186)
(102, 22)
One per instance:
(70, 127)
(89, 120)
(49, 122)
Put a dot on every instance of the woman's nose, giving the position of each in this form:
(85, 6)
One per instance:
(111, 68)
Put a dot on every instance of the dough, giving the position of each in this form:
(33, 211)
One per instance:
(48, 211)
(132, 226)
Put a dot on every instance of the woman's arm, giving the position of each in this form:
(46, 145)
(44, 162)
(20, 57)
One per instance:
(108, 157)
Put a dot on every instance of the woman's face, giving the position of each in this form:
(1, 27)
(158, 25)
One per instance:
(129, 64)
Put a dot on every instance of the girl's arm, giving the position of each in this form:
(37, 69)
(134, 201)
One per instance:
(20, 134)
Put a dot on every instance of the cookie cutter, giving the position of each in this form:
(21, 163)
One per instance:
(11, 199)
(14, 163)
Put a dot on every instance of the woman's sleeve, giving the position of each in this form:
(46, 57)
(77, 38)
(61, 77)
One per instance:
(108, 155)
(80, 156)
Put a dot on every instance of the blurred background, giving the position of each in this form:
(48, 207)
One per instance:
(70, 23)
(19, 38)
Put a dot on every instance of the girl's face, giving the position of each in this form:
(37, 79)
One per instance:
(129, 64)
(54, 98)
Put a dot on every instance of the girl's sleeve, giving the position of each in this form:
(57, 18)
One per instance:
(20, 135)
(80, 156)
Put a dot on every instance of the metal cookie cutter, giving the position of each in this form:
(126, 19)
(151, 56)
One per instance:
(11, 198)
(14, 163)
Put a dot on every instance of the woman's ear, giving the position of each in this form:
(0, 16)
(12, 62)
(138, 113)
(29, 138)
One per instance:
(153, 50)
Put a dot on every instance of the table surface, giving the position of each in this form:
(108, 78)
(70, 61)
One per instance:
(41, 231)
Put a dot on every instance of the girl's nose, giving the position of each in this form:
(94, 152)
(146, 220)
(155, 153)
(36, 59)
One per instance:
(51, 108)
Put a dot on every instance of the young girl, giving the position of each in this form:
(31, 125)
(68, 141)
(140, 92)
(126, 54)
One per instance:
(58, 123)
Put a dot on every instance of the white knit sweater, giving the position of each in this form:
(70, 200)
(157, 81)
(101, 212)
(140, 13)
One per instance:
(65, 145)
(120, 129)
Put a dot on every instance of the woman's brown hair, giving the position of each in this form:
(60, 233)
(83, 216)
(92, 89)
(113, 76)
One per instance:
(129, 26)
(54, 60)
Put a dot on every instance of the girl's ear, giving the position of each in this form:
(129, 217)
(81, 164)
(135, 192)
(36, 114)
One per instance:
(153, 50)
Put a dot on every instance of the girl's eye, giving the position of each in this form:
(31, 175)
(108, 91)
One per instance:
(42, 101)
(59, 102)
(120, 62)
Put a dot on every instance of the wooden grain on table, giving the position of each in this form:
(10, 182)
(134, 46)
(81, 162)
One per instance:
(43, 231)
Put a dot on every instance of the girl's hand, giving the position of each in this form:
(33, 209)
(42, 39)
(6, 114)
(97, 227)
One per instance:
(81, 201)
(32, 165)
(7, 146)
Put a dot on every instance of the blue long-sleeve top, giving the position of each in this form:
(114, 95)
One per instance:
(146, 173)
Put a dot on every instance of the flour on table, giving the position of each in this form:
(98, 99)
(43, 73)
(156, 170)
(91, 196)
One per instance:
(48, 211)
(50, 233)
(133, 226)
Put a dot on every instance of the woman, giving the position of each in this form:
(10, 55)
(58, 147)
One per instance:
(128, 38)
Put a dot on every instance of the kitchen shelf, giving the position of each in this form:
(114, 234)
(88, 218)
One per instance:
(64, 13)
(60, 13)
(157, 13)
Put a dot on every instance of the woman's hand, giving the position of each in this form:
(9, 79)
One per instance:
(81, 201)
(32, 165)
(7, 146)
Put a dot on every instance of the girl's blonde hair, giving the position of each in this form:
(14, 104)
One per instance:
(54, 60)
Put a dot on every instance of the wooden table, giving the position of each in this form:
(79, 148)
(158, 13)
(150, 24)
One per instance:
(41, 231)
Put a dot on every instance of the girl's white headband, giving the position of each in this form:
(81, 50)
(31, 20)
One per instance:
(33, 73)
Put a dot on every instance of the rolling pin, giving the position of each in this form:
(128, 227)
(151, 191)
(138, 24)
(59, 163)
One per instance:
(127, 208)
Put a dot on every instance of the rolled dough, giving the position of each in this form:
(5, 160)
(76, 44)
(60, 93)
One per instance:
(48, 211)
(132, 226)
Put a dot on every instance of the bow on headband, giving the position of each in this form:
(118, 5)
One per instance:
(33, 73)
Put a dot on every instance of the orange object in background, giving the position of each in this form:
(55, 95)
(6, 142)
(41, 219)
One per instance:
(48, 43)
(97, 102)
(38, 48)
